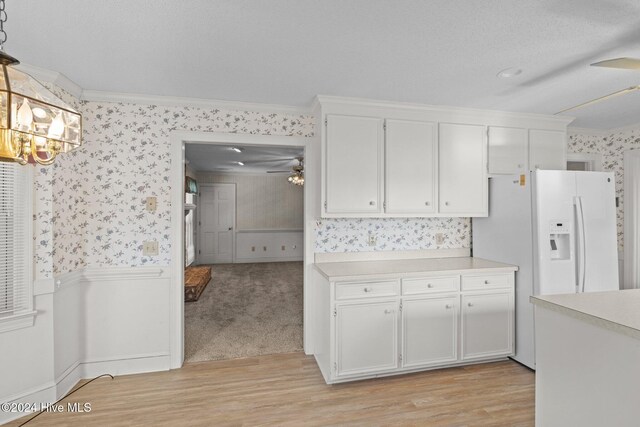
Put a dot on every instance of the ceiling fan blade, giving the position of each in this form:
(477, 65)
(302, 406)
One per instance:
(623, 63)
(602, 98)
(288, 159)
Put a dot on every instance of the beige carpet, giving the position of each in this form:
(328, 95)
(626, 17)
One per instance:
(246, 310)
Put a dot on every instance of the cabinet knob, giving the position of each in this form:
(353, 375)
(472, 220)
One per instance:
(372, 203)
(429, 285)
(367, 289)
(388, 311)
(520, 166)
(427, 203)
(470, 304)
(448, 306)
(486, 282)
(446, 203)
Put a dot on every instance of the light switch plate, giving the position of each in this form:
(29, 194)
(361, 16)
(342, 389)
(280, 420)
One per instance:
(152, 204)
(150, 248)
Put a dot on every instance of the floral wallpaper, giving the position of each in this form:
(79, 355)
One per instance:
(391, 234)
(612, 148)
(90, 205)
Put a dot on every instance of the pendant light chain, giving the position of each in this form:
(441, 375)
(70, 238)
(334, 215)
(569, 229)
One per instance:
(3, 19)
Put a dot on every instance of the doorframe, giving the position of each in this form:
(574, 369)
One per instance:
(178, 139)
(235, 212)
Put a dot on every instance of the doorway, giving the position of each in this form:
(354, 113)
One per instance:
(312, 190)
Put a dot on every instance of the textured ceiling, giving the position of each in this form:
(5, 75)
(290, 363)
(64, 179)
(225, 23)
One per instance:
(221, 158)
(443, 52)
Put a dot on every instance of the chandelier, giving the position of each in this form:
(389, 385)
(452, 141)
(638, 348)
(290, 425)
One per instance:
(35, 125)
(297, 177)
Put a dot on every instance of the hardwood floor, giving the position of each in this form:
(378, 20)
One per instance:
(288, 390)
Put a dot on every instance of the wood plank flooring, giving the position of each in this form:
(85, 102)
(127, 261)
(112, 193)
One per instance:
(288, 390)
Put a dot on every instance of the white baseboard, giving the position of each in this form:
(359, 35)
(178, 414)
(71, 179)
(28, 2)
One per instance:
(53, 391)
(274, 259)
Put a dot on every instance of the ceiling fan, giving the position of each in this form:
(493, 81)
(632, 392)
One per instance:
(620, 63)
(296, 173)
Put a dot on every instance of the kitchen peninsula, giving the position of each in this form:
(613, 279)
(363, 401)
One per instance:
(587, 359)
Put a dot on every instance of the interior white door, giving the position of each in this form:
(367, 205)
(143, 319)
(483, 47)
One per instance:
(507, 150)
(547, 149)
(366, 337)
(429, 330)
(353, 164)
(597, 206)
(462, 169)
(410, 166)
(217, 221)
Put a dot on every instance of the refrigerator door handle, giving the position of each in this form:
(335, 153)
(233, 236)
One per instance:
(582, 245)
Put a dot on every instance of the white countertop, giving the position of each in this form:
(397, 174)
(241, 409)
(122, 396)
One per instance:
(615, 310)
(350, 270)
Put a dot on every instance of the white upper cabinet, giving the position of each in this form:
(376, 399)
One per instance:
(462, 170)
(508, 150)
(389, 159)
(353, 168)
(410, 166)
(547, 149)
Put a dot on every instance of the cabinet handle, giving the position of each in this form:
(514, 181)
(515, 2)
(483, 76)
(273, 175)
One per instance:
(448, 306)
(388, 311)
(372, 203)
(367, 289)
(429, 285)
(470, 304)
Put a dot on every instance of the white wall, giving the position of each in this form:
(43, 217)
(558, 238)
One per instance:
(263, 201)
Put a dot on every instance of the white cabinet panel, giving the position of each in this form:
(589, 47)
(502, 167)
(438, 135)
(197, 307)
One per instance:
(429, 331)
(353, 164)
(487, 325)
(350, 290)
(462, 169)
(508, 150)
(366, 337)
(547, 149)
(410, 166)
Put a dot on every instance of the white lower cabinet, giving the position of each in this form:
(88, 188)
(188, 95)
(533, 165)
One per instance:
(429, 330)
(366, 337)
(487, 324)
(393, 325)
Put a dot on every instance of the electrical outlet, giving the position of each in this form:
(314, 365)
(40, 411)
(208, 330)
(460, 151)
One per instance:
(372, 239)
(152, 204)
(439, 239)
(150, 248)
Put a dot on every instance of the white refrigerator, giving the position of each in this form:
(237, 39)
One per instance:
(559, 227)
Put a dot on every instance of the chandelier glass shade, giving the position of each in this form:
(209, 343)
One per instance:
(35, 125)
(297, 177)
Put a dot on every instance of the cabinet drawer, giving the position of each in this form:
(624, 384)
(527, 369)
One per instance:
(350, 290)
(425, 285)
(487, 281)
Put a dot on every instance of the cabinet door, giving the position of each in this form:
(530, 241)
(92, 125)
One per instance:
(462, 170)
(353, 164)
(547, 149)
(429, 331)
(508, 150)
(487, 325)
(410, 166)
(366, 337)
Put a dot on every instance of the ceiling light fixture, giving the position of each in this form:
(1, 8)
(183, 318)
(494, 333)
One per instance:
(509, 72)
(297, 177)
(35, 125)
(240, 163)
(236, 149)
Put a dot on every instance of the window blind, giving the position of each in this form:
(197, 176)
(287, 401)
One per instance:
(15, 291)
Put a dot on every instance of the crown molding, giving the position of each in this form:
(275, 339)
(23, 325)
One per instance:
(176, 101)
(604, 132)
(634, 126)
(53, 77)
